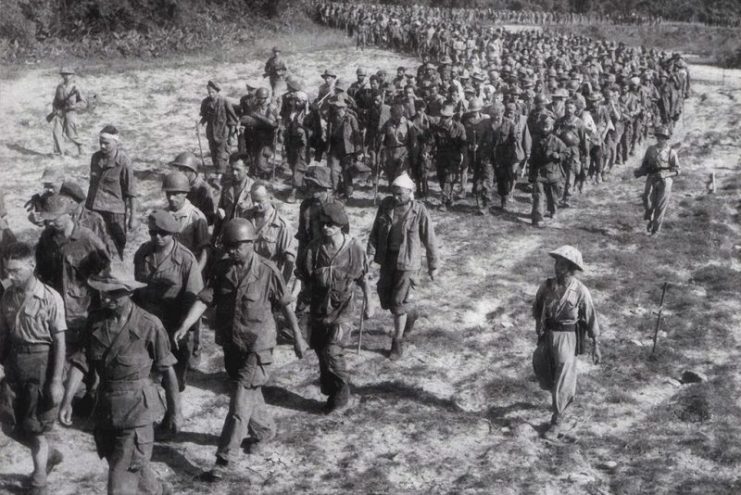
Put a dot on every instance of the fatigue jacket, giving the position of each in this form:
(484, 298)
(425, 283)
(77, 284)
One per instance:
(219, 116)
(548, 154)
(172, 284)
(243, 297)
(331, 279)
(236, 200)
(274, 239)
(67, 263)
(659, 163)
(345, 137)
(309, 226)
(553, 309)
(417, 231)
(111, 182)
(124, 360)
(450, 142)
(201, 195)
(193, 228)
(32, 319)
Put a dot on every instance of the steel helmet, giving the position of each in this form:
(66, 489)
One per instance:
(238, 230)
(569, 253)
(570, 138)
(176, 182)
(262, 93)
(186, 159)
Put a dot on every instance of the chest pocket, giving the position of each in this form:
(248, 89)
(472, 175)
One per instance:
(253, 307)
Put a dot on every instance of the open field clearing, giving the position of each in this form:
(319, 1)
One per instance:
(461, 412)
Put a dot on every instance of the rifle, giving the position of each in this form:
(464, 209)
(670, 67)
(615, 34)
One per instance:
(200, 148)
(659, 316)
(74, 92)
(275, 145)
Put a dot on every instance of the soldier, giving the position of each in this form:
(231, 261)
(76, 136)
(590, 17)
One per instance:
(235, 199)
(449, 138)
(66, 256)
(571, 130)
(200, 195)
(564, 314)
(32, 343)
(274, 235)
(67, 100)
(220, 119)
(260, 125)
(296, 134)
(345, 146)
(82, 216)
(331, 267)
(397, 140)
(112, 191)
(243, 289)
(172, 281)
(51, 181)
(546, 171)
(125, 344)
(401, 228)
(493, 155)
(275, 70)
(509, 152)
(475, 126)
(192, 231)
(660, 165)
(598, 124)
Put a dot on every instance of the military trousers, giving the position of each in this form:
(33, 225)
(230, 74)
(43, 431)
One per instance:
(656, 196)
(506, 177)
(248, 414)
(446, 172)
(326, 340)
(546, 193)
(64, 127)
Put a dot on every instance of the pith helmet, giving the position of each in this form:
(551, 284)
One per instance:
(176, 182)
(569, 253)
(186, 159)
(663, 131)
(238, 230)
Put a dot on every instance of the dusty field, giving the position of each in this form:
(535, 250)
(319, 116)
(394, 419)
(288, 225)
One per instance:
(461, 413)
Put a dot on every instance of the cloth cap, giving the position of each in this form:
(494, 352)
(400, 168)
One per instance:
(569, 253)
(327, 73)
(115, 278)
(73, 190)
(164, 221)
(66, 69)
(336, 213)
(447, 111)
(55, 206)
(404, 181)
(319, 175)
(475, 105)
(214, 85)
(560, 93)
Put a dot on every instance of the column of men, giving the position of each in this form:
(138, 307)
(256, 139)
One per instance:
(115, 330)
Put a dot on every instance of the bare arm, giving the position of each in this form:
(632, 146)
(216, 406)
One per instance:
(194, 315)
(74, 378)
(173, 399)
(299, 344)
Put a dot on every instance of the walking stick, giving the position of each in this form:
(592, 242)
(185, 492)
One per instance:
(659, 316)
(362, 325)
(275, 145)
(200, 148)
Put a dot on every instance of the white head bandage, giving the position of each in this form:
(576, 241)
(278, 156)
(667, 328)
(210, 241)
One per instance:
(107, 135)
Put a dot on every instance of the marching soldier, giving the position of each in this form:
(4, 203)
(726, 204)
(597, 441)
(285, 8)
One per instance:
(564, 314)
(220, 119)
(192, 231)
(125, 344)
(296, 135)
(200, 195)
(32, 346)
(112, 192)
(235, 199)
(546, 171)
(345, 146)
(475, 126)
(172, 280)
(660, 165)
(260, 125)
(67, 100)
(332, 266)
(401, 230)
(275, 71)
(571, 130)
(449, 138)
(243, 288)
(397, 140)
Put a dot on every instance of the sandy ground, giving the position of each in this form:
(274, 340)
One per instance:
(461, 413)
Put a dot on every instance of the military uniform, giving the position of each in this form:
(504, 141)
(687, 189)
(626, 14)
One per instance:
(275, 240)
(330, 279)
(397, 139)
(345, 140)
(578, 154)
(450, 146)
(546, 174)
(243, 296)
(261, 124)
(66, 264)
(173, 281)
(193, 228)
(64, 120)
(220, 119)
(659, 165)
(128, 402)
(235, 201)
(112, 184)
(201, 195)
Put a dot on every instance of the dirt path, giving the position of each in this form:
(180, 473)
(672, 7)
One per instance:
(461, 412)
